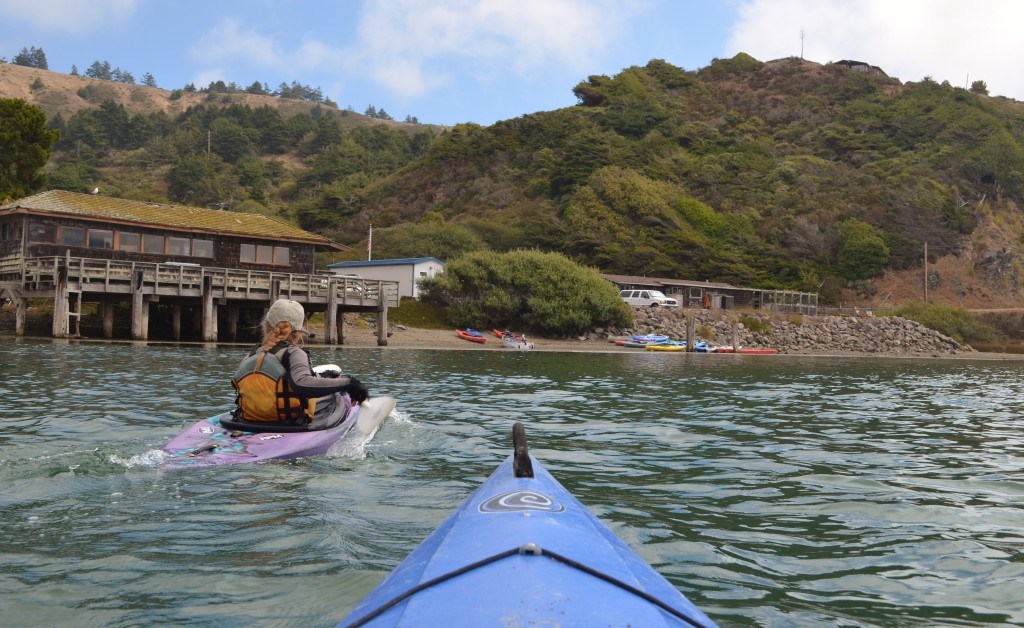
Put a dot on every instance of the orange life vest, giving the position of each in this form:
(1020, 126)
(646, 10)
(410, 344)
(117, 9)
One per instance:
(263, 391)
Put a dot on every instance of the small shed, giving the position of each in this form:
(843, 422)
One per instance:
(406, 271)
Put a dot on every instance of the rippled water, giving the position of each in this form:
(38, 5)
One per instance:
(772, 490)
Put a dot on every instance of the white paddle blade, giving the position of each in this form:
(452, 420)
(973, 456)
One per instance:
(372, 413)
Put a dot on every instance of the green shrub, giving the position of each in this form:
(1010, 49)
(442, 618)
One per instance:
(952, 321)
(756, 325)
(540, 292)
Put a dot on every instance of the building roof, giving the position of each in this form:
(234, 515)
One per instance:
(405, 261)
(659, 281)
(192, 219)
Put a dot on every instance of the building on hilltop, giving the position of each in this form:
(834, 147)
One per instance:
(860, 66)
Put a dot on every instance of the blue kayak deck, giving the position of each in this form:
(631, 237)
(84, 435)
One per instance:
(524, 552)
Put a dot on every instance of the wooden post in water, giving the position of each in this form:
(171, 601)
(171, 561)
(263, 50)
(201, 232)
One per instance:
(382, 322)
(176, 321)
(20, 316)
(233, 322)
(209, 311)
(690, 333)
(60, 303)
(108, 318)
(140, 309)
(735, 336)
(331, 314)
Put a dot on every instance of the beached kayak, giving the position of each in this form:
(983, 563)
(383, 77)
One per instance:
(522, 551)
(221, 440)
(470, 335)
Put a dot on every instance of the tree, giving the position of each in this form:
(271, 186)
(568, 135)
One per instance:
(979, 87)
(196, 180)
(122, 76)
(31, 57)
(99, 70)
(862, 251)
(25, 143)
(543, 292)
(148, 80)
(74, 70)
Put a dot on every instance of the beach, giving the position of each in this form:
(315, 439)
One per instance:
(405, 337)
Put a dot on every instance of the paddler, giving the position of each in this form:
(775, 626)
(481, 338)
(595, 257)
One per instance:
(276, 382)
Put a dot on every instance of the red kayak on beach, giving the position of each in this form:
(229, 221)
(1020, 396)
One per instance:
(508, 334)
(470, 335)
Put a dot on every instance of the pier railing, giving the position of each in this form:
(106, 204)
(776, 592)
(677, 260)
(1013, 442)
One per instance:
(39, 275)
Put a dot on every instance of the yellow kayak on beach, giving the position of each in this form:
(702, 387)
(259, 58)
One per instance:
(665, 348)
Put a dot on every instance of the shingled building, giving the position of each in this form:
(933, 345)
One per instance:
(107, 250)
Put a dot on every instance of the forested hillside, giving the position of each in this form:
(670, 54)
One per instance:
(787, 174)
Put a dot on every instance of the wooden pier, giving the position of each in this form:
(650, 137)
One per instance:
(71, 281)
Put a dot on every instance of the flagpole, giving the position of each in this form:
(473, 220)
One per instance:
(369, 244)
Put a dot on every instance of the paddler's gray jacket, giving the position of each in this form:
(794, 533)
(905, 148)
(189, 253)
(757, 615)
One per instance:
(280, 385)
(301, 377)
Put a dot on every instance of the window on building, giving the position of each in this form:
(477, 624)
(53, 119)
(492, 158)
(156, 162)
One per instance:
(71, 236)
(202, 248)
(179, 246)
(264, 254)
(153, 243)
(128, 241)
(101, 239)
(42, 232)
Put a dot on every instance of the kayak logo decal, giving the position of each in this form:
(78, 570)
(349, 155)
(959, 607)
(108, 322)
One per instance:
(520, 500)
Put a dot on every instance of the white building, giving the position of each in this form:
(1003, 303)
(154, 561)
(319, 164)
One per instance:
(407, 272)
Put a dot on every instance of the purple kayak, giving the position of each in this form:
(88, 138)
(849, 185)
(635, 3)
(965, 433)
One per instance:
(210, 442)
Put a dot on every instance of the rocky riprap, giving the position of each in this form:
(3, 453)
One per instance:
(793, 333)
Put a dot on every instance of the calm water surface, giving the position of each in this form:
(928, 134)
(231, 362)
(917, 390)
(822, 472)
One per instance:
(771, 490)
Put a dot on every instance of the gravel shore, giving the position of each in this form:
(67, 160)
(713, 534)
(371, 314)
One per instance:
(403, 337)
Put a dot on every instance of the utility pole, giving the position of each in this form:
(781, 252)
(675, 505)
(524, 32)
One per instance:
(801, 42)
(926, 273)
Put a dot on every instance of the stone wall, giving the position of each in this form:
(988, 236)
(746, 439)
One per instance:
(793, 333)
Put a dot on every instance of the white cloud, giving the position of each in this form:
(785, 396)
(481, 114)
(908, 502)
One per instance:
(68, 16)
(945, 39)
(228, 43)
(406, 44)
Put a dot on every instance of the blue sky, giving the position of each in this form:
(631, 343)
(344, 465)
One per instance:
(452, 61)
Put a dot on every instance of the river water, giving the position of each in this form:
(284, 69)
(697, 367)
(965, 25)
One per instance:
(771, 490)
